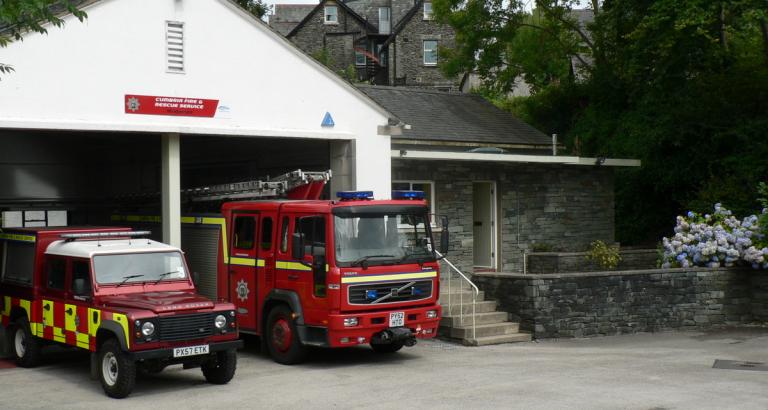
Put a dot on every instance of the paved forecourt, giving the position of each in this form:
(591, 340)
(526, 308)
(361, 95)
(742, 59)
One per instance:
(663, 370)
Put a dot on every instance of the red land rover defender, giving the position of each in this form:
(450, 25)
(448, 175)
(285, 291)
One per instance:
(128, 300)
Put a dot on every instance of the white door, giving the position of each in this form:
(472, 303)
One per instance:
(484, 229)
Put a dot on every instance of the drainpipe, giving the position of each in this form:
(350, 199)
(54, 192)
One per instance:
(554, 145)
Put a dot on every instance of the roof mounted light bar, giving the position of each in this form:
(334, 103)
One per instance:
(407, 194)
(97, 235)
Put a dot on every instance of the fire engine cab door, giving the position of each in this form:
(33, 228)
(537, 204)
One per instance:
(243, 268)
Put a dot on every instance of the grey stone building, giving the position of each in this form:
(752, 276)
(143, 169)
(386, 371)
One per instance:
(384, 42)
(496, 179)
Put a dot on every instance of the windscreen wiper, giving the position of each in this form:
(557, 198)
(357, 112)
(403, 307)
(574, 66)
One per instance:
(363, 259)
(163, 275)
(126, 278)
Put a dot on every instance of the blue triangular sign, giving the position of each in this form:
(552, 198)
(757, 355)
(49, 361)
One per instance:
(327, 120)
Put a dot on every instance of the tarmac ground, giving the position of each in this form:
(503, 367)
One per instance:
(671, 370)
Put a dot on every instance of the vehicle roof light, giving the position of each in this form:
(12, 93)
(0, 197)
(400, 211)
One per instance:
(349, 195)
(84, 235)
(407, 194)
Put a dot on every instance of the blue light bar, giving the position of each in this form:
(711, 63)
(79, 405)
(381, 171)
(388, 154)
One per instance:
(407, 194)
(354, 194)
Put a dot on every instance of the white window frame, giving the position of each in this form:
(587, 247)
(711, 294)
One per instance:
(432, 201)
(326, 15)
(388, 20)
(424, 52)
(427, 16)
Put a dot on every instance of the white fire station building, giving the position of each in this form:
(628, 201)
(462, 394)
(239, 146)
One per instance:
(146, 97)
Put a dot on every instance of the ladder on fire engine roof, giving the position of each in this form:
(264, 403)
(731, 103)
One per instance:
(292, 185)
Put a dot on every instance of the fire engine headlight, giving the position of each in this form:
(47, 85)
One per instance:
(220, 322)
(350, 321)
(148, 329)
(431, 314)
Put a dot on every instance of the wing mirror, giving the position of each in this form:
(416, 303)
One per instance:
(297, 247)
(444, 239)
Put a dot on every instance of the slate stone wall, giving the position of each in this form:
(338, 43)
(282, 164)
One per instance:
(406, 55)
(610, 303)
(337, 39)
(559, 262)
(566, 206)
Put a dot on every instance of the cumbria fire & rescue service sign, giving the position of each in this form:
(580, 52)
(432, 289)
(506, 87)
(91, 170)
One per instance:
(179, 106)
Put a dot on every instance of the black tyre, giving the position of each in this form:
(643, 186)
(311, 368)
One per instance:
(282, 338)
(387, 348)
(221, 369)
(25, 347)
(117, 372)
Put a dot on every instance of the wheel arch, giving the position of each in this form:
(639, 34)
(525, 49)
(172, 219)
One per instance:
(108, 330)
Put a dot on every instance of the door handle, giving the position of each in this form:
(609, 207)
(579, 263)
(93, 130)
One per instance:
(47, 306)
(69, 311)
(293, 277)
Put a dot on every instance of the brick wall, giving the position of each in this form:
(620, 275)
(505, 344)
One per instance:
(609, 303)
(565, 206)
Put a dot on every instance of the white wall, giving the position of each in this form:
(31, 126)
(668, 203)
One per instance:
(76, 78)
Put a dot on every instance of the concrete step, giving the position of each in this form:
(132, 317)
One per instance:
(480, 307)
(495, 340)
(493, 329)
(480, 319)
(456, 294)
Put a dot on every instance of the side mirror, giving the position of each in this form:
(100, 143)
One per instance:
(444, 239)
(297, 247)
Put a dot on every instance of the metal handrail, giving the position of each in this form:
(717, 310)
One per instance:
(476, 293)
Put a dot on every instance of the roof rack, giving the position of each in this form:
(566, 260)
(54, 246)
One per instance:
(96, 235)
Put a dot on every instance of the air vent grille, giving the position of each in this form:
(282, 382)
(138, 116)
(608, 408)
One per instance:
(174, 46)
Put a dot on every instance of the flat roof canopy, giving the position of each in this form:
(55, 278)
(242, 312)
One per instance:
(512, 158)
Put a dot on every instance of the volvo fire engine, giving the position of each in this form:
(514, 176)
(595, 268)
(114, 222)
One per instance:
(308, 272)
(128, 300)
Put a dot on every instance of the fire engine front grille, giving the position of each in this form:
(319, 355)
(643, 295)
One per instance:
(401, 291)
(185, 327)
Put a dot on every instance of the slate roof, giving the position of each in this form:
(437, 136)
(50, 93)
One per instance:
(287, 16)
(453, 117)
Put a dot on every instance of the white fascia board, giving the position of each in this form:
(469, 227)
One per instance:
(510, 158)
(309, 59)
(42, 124)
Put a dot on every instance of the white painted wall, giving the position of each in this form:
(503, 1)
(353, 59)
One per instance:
(76, 78)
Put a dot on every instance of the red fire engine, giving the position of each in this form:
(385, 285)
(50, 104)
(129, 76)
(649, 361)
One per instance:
(307, 272)
(129, 301)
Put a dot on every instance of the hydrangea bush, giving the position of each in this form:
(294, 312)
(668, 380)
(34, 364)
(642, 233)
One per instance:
(715, 240)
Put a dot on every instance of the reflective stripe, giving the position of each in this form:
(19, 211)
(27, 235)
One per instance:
(292, 266)
(48, 313)
(247, 262)
(396, 276)
(24, 304)
(94, 321)
(83, 340)
(18, 237)
(69, 320)
(123, 320)
(58, 335)
(6, 306)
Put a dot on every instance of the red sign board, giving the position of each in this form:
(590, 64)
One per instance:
(181, 106)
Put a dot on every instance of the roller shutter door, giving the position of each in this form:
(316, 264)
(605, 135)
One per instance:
(201, 247)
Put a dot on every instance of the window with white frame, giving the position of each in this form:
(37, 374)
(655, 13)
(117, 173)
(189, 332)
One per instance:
(384, 20)
(430, 52)
(427, 10)
(359, 58)
(331, 15)
(428, 187)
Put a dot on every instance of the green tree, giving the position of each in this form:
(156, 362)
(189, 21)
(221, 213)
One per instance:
(256, 7)
(18, 17)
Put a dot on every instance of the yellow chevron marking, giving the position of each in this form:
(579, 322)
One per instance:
(94, 321)
(395, 276)
(123, 320)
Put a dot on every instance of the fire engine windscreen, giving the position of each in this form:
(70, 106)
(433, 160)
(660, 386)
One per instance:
(382, 239)
(138, 267)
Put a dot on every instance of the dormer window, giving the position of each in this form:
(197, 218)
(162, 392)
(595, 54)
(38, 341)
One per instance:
(427, 10)
(331, 15)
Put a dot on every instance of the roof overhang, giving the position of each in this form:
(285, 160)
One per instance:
(512, 158)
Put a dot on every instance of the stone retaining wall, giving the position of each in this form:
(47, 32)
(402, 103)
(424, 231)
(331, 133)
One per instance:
(555, 262)
(608, 303)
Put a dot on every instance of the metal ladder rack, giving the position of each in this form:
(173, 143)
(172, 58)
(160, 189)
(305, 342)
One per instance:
(302, 184)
